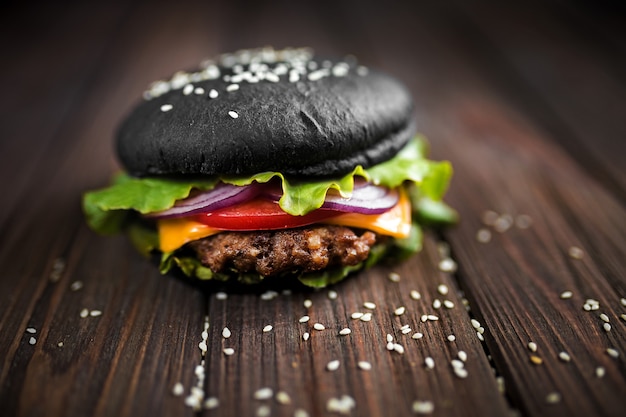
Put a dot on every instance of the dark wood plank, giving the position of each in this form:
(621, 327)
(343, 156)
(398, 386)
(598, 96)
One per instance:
(516, 291)
(125, 361)
(506, 163)
(564, 77)
(283, 361)
(118, 363)
(298, 367)
(47, 86)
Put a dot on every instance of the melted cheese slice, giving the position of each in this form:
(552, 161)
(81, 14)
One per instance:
(174, 233)
(395, 222)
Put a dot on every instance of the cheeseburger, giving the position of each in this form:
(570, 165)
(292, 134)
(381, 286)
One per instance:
(272, 163)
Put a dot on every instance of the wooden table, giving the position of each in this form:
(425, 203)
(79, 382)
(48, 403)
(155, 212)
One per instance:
(526, 101)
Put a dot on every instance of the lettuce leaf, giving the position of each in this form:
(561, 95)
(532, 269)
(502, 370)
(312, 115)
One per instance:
(327, 277)
(106, 209)
(301, 197)
(118, 208)
(434, 213)
(391, 248)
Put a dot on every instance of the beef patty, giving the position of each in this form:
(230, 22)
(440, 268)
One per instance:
(293, 250)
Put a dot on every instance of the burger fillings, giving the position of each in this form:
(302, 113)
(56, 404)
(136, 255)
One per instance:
(319, 174)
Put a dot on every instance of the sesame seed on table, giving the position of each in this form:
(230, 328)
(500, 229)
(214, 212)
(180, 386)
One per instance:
(520, 309)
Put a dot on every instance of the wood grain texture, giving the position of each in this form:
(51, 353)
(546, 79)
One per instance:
(516, 292)
(514, 281)
(124, 361)
(492, 96)
(282, 360)
(559, 74)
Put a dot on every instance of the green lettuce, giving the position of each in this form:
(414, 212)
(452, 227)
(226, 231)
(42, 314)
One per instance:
(389, 248)
(118, 207)
(107, 209)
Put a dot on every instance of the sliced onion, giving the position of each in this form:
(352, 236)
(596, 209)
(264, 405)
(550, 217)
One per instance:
(223, 195)
(366, 198)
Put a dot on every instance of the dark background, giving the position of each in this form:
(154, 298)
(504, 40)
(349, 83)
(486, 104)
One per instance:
(526, 99)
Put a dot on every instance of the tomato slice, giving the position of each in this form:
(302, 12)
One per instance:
(260, 214)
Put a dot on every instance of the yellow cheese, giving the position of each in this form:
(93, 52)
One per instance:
(395, 222)
(174, 233)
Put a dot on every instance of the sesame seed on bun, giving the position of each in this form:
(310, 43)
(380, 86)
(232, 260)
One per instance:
(267, 110)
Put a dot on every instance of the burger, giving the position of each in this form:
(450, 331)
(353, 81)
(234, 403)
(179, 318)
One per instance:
(272, 163)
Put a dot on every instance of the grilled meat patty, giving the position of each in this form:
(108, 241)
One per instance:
(293, 250)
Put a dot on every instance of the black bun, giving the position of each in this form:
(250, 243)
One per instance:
(336, 115)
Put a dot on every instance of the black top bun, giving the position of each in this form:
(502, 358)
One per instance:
(274, 111)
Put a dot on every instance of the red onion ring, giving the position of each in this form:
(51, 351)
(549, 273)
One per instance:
(223, 195)
(366, 198)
